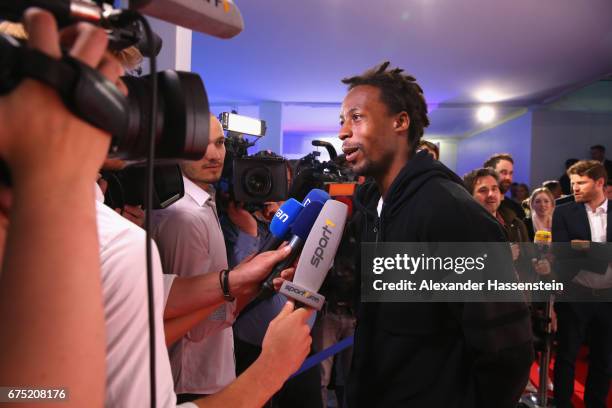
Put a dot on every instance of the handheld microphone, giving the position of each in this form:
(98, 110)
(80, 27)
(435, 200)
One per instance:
(286, 215)
(281, 223)
(317, 256)
(542, 241)
(299, 233)
(315, 195)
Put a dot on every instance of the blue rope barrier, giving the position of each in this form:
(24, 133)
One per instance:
(322, 355)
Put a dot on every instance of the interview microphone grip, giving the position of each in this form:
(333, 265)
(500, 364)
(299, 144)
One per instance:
(302, 296)
(543, 242)
(267, 288)
(271, 243)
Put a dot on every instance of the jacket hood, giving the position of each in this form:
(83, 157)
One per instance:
(420, 169)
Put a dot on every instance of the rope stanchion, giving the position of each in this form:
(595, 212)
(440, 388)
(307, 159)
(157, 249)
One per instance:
(322, 355)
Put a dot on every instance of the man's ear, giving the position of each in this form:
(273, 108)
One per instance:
(402, 122)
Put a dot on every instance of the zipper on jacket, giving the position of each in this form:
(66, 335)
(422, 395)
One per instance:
(377, 228)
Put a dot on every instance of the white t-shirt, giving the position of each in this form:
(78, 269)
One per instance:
(124, 287)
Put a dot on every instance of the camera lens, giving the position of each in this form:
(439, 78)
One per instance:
(258, 182)
(182, 117)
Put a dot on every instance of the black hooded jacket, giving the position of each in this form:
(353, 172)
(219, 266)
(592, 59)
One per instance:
(435, 354)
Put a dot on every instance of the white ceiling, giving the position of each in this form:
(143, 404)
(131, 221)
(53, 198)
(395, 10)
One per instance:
(516, 53)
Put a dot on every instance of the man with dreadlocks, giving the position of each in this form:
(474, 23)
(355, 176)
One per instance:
(422, 354)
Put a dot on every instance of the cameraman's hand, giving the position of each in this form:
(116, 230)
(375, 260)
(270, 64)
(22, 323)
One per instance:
(287, 341)
(242, 218)
(134, 213)
(39, 135)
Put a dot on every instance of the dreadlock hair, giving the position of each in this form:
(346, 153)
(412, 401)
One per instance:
(400, 93)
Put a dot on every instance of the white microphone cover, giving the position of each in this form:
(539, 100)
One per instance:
(321, 246)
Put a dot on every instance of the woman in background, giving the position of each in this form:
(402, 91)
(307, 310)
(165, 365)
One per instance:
(542, 204)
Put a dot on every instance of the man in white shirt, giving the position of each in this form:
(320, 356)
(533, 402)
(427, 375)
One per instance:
(587, 269)
(125, 310)
(191, 244)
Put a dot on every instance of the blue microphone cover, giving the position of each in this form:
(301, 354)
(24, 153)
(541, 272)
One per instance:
(304, 222)
(284, 217)
(315, 195)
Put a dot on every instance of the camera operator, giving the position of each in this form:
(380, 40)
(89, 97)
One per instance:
(48, 267)
(245, 229)
(134, 213)
(123, 265)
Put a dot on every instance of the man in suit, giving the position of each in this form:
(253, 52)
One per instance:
(585, 266)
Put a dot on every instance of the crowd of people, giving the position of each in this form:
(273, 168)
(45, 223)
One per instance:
(73, 299)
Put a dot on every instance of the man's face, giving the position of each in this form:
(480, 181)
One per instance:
(597, 154)
(208, 169)
(487, 193)
(585, 188)
(505, 169)
(368, 132)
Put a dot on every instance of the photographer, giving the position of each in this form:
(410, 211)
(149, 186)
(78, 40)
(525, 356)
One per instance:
(48, 267)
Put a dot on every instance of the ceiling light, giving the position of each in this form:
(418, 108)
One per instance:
(488, 95)
(485, 114)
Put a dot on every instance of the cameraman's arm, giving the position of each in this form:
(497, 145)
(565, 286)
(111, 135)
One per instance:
(50, 292)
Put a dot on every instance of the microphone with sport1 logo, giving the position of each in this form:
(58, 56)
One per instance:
(317, 255)
(285, 217)
(299, 233)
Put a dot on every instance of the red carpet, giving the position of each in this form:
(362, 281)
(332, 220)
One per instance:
(581, 373)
